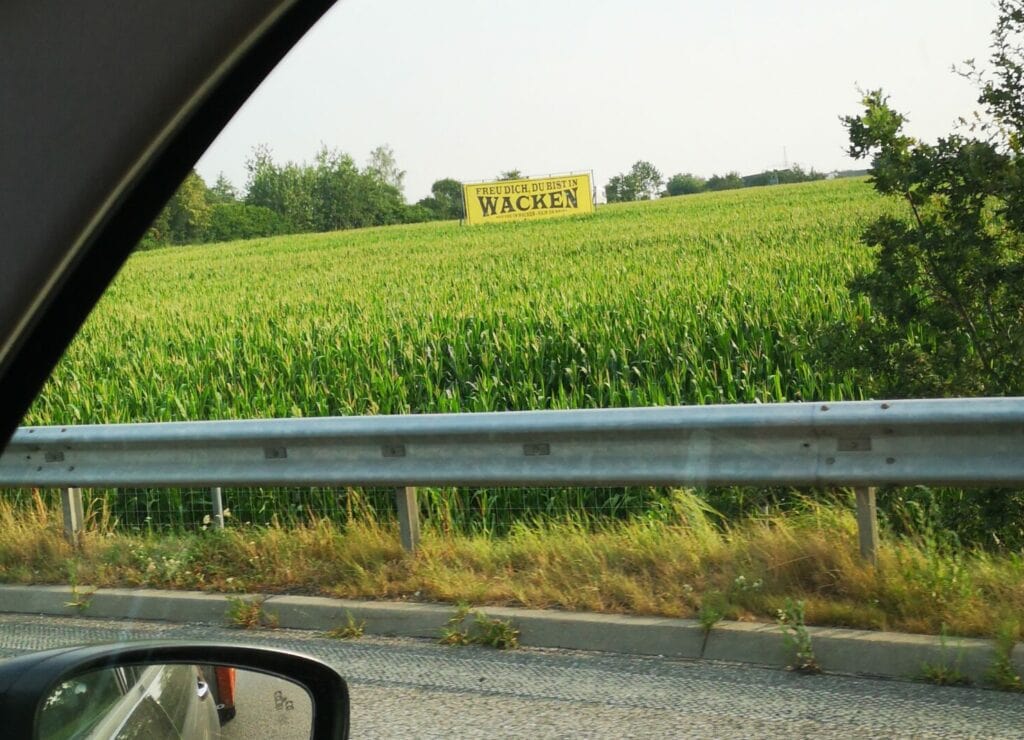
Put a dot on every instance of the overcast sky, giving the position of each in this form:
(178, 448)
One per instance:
(467, 89)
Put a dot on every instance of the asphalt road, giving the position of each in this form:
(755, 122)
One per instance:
(410, 688)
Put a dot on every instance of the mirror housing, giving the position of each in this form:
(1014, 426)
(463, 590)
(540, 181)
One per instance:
(27, 681)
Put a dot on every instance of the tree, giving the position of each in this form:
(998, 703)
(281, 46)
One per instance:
(446, 199)
(342, 197)
(268, 185)
(335, 191)
(620, 189)
(642, 182)
(185, 217)
(946, 287)
(684, 184)
(159, 232)
(230, 221)
(730, 181)
(646, 180)
(419, 212)
(782, 177)
(328, 194)
(223, 191)
(188, 211)
(511, 175)
(384, 167)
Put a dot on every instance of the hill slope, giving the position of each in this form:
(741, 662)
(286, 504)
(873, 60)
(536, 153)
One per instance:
(699, 299)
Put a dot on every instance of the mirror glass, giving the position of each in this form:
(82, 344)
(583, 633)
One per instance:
(175, 701)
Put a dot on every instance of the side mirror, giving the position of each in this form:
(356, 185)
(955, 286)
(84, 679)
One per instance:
(166, 689)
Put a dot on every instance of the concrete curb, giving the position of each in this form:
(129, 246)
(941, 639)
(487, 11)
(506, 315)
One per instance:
(887, 654)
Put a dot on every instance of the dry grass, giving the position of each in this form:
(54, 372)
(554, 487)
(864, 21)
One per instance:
(663, 567)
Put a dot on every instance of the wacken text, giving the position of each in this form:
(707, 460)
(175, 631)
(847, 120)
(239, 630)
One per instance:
(498, 204)
(530, 198)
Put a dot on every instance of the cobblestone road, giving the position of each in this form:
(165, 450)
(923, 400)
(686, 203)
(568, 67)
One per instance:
(412, 688)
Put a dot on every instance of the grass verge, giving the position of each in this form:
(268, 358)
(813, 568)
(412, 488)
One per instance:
(687, 564)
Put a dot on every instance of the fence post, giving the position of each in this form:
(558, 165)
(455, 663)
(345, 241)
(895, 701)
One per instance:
(74, 516)
(408, 517)
(867, 523)
(217, 504)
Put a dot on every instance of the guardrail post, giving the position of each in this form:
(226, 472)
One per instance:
(217, 504)
(867, 523)
(408, 517)
(74, 516)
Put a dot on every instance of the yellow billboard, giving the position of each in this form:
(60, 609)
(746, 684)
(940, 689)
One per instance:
(542, 197)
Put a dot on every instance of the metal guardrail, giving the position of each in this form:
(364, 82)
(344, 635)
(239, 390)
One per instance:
(961, 442)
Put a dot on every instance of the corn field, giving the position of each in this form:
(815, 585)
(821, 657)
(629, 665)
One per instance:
(714, 298)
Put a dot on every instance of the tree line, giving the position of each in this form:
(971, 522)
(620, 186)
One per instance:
(328, 194)
(332, 193)
(644, 182)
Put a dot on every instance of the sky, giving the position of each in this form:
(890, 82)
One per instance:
(469, 89)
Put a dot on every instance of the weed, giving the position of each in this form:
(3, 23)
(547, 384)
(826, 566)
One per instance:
(946, 672)
(495, 633)
(1002, 674)
(453, 632)
(351, 630)
(711, 611)
(710, 614)
(249, 613)
(797, 638)
(80, 600)
(483, 630)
